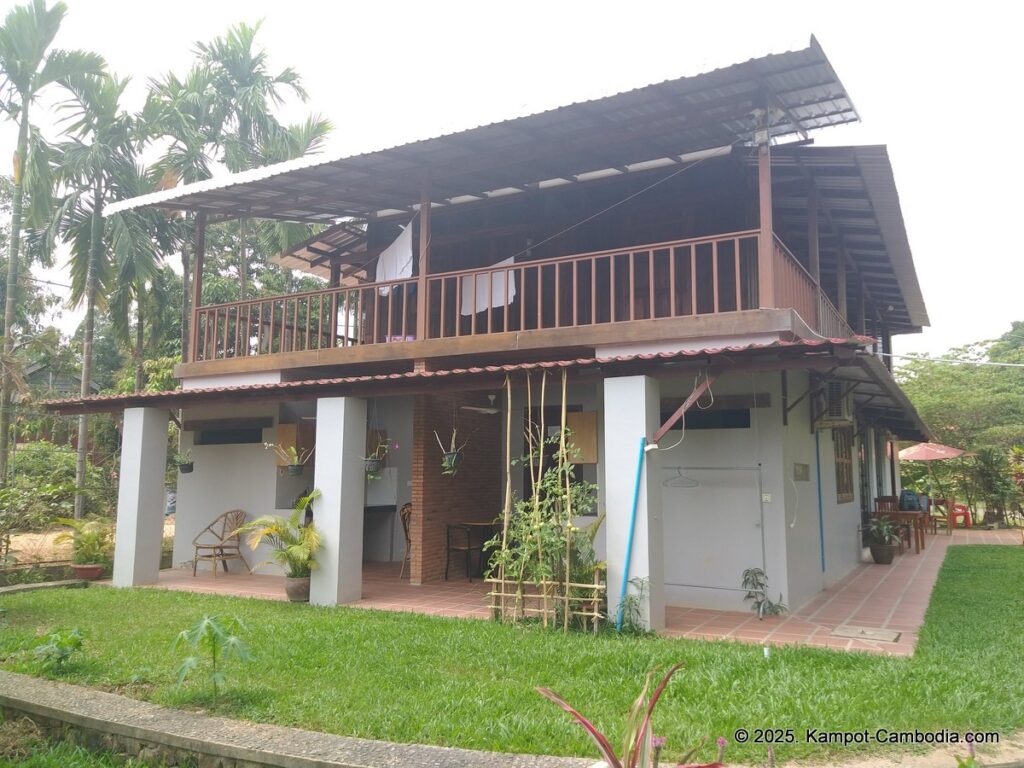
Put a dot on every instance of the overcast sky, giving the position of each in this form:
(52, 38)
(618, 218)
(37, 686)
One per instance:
(938, 87)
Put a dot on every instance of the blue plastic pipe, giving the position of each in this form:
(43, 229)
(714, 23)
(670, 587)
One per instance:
(821, 508)
(632, 530)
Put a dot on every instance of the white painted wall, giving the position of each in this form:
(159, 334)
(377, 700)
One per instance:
(229, 477)
(812, 530)
(231, 380)
(712, 532)
(382, 531)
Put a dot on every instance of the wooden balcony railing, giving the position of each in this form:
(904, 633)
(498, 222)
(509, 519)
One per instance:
(698, 276)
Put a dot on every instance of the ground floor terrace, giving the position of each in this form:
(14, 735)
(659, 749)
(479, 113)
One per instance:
(893, 599)
(705, 462)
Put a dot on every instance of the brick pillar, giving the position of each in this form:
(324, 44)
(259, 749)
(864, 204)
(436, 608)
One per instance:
(473, 494)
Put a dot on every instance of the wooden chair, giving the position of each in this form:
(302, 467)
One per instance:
(460, 542)
(938, 514)
(219, 542)
(405, 515)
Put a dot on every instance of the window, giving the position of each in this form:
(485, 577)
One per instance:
(842, 439)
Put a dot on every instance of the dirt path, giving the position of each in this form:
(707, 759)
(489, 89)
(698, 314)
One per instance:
(38, 547)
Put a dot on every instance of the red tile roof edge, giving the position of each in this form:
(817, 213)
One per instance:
(133, 397)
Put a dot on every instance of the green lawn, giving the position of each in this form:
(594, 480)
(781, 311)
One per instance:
(471, 683)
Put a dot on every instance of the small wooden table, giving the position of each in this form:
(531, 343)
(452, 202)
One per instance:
(917, 520)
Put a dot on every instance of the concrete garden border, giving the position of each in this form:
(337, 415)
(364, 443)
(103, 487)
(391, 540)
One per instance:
(171, 737)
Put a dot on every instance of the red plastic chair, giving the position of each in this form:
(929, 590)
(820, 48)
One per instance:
(959, 511)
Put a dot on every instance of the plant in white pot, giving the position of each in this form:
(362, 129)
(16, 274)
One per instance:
(293, 545)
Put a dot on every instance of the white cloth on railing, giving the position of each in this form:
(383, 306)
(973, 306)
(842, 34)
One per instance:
(486, 290)
(395, 261)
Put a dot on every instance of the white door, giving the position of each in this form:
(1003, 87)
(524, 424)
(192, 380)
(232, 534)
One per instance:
(713, 531)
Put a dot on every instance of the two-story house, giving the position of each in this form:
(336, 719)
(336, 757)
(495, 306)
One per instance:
(715, 284)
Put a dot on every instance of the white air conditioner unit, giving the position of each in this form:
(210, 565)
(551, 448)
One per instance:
(832, 409)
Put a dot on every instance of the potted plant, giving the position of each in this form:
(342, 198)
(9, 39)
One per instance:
(451, 457)
(91, 543)
(374, 461)
(293, 458)
(293, 545)
(883, 539)
(184, 462)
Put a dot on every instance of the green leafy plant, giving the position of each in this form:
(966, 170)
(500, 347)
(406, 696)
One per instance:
(92, 540)
(290, 454)
(632, 607)
(638, 748)
(882, 530)
(451, 456)
(183, 458)
(217, 639)
(293, 544)
(55, 650)
(755, 583)
(374, 460)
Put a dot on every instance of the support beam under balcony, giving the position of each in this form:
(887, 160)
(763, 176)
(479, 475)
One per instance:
(766, 239)
(197, 283)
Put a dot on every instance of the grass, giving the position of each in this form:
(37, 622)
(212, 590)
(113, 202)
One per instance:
(469, 683)
(22, 746)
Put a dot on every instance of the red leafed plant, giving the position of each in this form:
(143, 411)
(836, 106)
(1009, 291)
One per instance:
(637, 748)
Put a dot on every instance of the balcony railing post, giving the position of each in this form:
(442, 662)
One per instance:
(422, 322)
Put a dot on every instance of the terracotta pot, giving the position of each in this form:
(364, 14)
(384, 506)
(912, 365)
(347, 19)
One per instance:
(883, 554)
(88, 571)
(297, 589)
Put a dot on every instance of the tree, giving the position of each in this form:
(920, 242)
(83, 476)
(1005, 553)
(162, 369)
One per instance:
(246, 90)
(28, 66)
(97, 165)
(184, 113)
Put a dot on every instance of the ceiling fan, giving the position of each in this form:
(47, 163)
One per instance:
(489, 410)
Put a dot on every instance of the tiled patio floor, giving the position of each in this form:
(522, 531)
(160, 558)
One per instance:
(382, 589)
(877, 596)
(887, 597)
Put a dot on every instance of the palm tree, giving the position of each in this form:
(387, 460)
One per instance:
(184, 113)
(97, 165)
(28, 65)
(246, 90)
(136, 272)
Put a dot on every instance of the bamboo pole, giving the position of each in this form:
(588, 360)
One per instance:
(508, 486)
(563, 463)
(540, 475)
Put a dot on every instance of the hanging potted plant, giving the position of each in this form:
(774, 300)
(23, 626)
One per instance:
(374, 461)
(451, 456)
(184, 462)
(883, 539)
(293, 545)
(291, 457)
(92, 541)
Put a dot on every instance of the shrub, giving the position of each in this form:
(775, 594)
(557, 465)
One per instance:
(217, 638)
(55, 650)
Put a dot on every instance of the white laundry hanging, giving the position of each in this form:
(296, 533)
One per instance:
(395, 261)
(486, 290)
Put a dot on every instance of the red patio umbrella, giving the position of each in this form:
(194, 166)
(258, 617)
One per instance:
(930, 452)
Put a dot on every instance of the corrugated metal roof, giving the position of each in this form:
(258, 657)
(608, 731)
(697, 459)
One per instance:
(860, 214)
(665, 119)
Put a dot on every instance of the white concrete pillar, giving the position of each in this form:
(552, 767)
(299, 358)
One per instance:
(338, 513)
(632, 407)
(140, 497)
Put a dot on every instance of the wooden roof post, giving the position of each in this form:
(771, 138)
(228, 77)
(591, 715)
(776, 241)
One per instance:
(197, 283)
(766, 238)
(841, 287)
(422, 322)
(813, 243)
(862, 320)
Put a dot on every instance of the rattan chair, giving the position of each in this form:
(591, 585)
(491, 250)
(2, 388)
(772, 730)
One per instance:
(219, 542)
